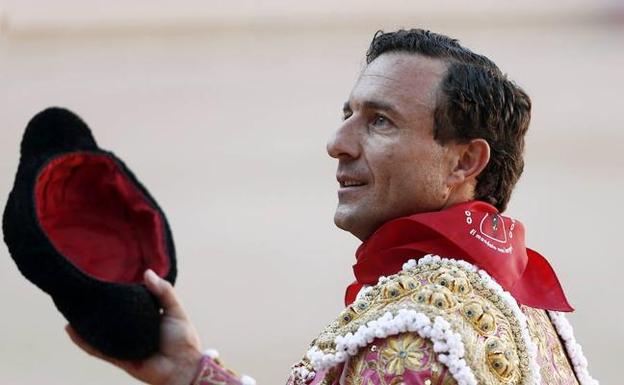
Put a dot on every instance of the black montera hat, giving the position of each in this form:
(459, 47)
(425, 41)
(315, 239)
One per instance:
(81, 227)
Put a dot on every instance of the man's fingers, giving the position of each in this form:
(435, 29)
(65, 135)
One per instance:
(163, 290)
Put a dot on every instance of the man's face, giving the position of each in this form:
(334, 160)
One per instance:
(389, 164)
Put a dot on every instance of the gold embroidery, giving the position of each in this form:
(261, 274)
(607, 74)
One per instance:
(356, 367)
(436, 295)
(330, 377)
(347, 315)
(392, 290)
(405, 351)
(501, 358)
(554, 365)
(399, 287)
(453, 278)
(481, 316)
(458, 295)
(398, 380)
(440, 375)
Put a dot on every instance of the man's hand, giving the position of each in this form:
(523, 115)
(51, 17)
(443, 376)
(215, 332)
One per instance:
(180, 349)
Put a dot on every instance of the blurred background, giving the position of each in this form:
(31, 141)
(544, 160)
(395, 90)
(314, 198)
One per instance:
(223, 108)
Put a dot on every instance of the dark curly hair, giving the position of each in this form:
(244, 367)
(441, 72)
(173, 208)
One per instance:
(476, 101)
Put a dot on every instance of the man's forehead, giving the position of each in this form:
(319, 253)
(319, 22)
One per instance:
(400, 78)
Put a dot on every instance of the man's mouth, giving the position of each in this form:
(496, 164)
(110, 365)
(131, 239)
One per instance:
(351, 183)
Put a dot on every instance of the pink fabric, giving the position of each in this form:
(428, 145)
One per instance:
(211, 372)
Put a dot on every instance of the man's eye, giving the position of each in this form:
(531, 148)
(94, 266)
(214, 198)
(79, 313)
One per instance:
(380, 121)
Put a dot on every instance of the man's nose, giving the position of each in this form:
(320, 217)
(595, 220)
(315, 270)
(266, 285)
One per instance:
(345, 141)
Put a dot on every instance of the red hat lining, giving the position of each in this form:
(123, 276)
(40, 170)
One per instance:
(97, 218)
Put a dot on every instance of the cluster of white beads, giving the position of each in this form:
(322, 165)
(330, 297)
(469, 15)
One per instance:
(573, 348)
(446, 343)
(302, 375)
(430, 258)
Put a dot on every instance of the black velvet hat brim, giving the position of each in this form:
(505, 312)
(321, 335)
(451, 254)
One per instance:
(121, 319)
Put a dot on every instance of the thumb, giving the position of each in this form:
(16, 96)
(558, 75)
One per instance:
(163, 290)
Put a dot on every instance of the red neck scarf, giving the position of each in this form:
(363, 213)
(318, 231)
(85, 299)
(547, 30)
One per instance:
(474, 232)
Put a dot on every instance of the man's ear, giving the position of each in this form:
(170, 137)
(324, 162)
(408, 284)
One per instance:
(472, 157)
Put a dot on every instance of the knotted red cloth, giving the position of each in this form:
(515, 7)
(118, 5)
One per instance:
(474, 232)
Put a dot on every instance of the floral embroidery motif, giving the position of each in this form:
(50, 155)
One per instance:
(403, 351)
(402, 359)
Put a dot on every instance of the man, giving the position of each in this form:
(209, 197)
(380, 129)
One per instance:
(428, 153)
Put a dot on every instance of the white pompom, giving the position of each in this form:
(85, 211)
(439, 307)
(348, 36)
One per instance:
(212, 353)
(247, 380)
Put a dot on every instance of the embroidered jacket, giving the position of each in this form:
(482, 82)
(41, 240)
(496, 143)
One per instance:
(436, 322)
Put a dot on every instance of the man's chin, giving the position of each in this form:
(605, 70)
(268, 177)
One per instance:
(349, 221)
(344, 218)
